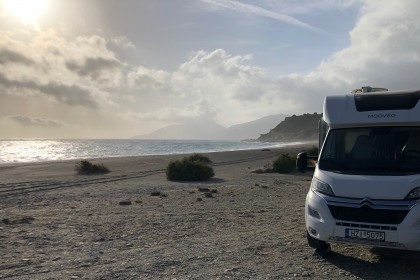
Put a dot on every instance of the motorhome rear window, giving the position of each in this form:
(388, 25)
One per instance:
(386, 101)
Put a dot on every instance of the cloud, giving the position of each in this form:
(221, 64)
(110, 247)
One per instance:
(123, 42)
(92, 66)
(9, 56)
(258, 11)
(144, 78)
(34, 121)
(293, 7)
(77, 72)
(218, 75)
(207, 84)
(218, 63)
(382, 42)
(71, 95)
(90, 57)
(217, 85)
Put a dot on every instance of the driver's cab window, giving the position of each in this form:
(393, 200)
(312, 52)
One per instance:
(351, 137)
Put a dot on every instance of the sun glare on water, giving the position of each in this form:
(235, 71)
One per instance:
(27, 10)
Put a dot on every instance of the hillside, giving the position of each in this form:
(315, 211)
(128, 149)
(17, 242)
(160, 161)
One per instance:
(253, 129)
(294, 128)
(210, 130)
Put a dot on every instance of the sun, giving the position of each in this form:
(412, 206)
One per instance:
(27, 10)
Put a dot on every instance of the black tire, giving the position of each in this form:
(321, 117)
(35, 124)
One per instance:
(316, 243)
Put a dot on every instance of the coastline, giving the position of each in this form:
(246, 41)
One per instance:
(27, 151)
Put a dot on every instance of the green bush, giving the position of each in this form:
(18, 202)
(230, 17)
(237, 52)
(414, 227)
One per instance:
(86, 167)
(284, 164)
(193, 168)
(198, 157)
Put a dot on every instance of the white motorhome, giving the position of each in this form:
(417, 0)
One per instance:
(366, 184)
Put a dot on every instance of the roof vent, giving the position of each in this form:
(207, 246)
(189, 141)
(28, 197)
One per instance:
(368, 89)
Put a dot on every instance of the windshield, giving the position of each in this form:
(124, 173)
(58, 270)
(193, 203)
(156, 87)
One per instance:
(372, 150)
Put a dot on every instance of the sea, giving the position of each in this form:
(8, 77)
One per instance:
(37, 150)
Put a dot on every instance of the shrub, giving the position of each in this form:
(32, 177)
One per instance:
(313, 151)
(284, 164)
(193, 168)
(86, 167)
(198, 157)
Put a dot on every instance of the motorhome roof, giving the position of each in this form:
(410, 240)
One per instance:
(373, 109)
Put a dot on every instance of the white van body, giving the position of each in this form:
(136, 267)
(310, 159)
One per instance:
(366, 185)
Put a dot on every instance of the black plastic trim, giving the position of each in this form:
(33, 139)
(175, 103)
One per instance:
(386, 101)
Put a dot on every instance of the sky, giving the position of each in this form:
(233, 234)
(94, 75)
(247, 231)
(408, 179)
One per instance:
(116, 69)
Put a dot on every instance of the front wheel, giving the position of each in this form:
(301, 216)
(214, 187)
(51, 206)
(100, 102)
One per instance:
(322, 248)
(315, 243)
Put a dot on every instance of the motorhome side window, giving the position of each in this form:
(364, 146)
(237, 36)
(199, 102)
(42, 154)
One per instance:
(382, 150)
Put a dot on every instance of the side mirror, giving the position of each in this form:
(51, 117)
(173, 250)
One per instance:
(305, 162)
(302, 162)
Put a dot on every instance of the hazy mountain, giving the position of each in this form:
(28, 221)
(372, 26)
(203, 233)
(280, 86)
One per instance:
(210, 130)
(198, 130)
(294, 128)
(253, 129)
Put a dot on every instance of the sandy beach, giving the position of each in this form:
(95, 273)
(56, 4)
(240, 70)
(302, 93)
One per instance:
(56, 224)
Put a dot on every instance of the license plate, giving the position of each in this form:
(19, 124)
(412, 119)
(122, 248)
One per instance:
(365, 234)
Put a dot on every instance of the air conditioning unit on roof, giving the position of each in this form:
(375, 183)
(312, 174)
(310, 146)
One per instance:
(368, 89)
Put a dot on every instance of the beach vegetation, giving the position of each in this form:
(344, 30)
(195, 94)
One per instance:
(284, 164)
(313, 151)
(192, 168)
(85, 167)
(198, 157)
